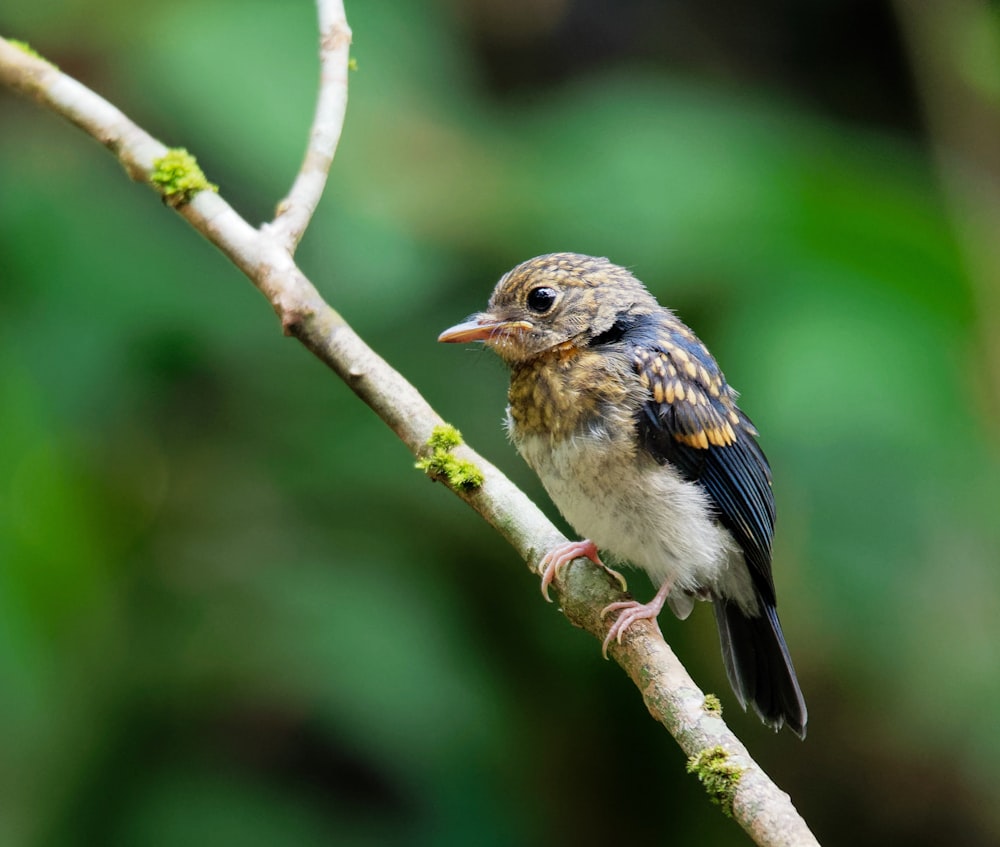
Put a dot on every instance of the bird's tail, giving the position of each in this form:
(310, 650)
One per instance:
(758, 665)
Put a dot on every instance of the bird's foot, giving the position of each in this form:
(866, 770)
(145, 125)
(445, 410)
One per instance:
(562, 554)
(632, 611)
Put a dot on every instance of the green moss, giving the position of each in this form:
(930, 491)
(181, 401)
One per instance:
(178, 177)
(712, 705)
(441, 463)
(24, 47)
(352, 64)
(719, 776)
(445, 437)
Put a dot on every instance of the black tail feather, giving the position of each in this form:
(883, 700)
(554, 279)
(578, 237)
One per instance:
(758, 665)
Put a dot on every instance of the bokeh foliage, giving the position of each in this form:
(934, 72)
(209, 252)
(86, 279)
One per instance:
(230, 610)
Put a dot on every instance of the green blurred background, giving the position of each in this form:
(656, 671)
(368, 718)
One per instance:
(231, 612)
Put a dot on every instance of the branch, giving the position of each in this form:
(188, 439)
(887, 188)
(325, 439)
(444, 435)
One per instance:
(265, 256)
(296, 210)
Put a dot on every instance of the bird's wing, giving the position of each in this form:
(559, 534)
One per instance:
(691, 420)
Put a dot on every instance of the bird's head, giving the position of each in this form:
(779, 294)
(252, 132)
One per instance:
(551, 301)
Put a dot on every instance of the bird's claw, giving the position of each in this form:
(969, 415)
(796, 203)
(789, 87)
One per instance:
(562, 554)
(632, 611)
(617, 575)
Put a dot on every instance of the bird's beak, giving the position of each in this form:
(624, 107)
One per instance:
(482, 327)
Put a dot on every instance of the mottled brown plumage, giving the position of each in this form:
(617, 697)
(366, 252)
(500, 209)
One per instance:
(637, 437)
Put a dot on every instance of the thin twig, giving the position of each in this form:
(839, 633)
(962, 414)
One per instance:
(265, 256)
(296, 210)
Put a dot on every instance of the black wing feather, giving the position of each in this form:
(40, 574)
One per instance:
(709, 440)
(690, 419)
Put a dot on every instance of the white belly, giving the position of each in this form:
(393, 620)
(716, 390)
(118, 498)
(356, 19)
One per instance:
(641, 513)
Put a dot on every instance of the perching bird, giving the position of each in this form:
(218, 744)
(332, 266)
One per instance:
(635, 434)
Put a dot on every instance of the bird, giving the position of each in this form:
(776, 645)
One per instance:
(637, 438)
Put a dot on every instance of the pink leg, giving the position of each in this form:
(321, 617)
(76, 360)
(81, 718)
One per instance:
(632, 611)
(562, 554)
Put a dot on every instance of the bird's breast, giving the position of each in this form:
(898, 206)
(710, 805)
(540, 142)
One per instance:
(574, 422)
(570, 391)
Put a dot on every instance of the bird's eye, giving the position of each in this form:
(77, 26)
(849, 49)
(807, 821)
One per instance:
(541, 299)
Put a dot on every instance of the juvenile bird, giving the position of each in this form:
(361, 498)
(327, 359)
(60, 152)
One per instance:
(635, 434)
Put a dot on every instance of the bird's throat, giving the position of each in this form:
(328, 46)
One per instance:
(562, 392)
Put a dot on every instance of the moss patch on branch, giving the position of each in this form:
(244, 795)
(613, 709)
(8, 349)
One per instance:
(712, 705)
(442, 463)
(719, 776)
(24, 47)
(178, 177)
